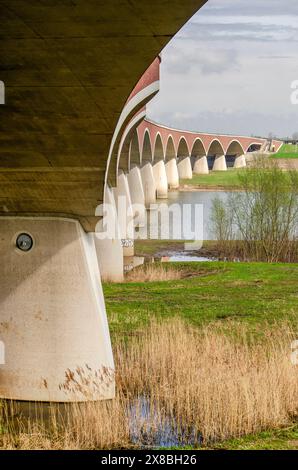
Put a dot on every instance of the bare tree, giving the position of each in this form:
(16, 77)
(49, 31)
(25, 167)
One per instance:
(264, 216)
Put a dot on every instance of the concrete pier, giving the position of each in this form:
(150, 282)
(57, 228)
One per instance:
(109, 250)
(240, 161)
(124, 214)
(160, 178)
(172, 173)
(53, 319)
(220, 163)
(201, 166)
(137, 196)
(148, 184)
(184, 168)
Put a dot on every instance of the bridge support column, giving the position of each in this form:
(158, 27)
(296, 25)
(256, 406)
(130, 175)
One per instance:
(240, 161)
(148, 184)
(184, 168)
(110, 259)
(172, 174)
(109, 250)
(124, 219)
(220, 163)
(160, 178)
(53, 319)
(137, 195)
(201, 166)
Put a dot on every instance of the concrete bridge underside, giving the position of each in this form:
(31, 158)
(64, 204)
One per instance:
(68, 69)
(74, 86)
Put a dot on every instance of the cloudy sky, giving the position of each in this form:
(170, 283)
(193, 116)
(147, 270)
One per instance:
(230, 70)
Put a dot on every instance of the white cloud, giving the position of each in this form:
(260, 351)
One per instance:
(230, 69)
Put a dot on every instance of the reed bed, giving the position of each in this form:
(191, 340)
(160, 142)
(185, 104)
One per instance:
(154, 272)
(177, 385)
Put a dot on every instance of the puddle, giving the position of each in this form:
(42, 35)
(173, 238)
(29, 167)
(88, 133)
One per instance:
(150, 426)
(185, 256)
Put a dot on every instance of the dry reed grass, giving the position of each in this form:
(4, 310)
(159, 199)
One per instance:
(154, 272)
(174, 380)
(215, 384)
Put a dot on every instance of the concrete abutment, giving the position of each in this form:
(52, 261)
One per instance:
(53, 319)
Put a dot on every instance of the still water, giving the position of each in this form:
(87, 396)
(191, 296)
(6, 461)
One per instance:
(189, 213)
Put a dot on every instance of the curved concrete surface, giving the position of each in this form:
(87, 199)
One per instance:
(124, 214)
(77, 76)
(109, 250)
(148, 184)
(53, 319)
(240, 161)
(69, 68)
(137, 195)
(201, 166)
(160, 178)
(220, 163)
(172, 174)
(184, 168)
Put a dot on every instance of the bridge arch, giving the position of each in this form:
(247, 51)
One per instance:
(198, 164)
(170, 151)
(198, 148)
(183, 150)
(146, 156)
(215, 148)
(158, 152)
(134, 151)
(254, 147)
(123, 158)
(235, 148)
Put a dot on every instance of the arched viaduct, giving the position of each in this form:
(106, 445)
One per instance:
(153, 157)
(153, 142)
(71, 134)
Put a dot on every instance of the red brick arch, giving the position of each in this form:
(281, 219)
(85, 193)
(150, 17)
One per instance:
(196, 141)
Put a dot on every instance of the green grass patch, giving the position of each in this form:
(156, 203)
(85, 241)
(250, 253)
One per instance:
(254, 293)
(287, 151)
(216, 179)
(278, 439)
(257, 294)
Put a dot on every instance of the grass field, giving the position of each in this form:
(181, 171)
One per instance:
(287, 151)
(260, 297)
(254, 293)
(215, 373)
(216, 179)
(278, 439)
